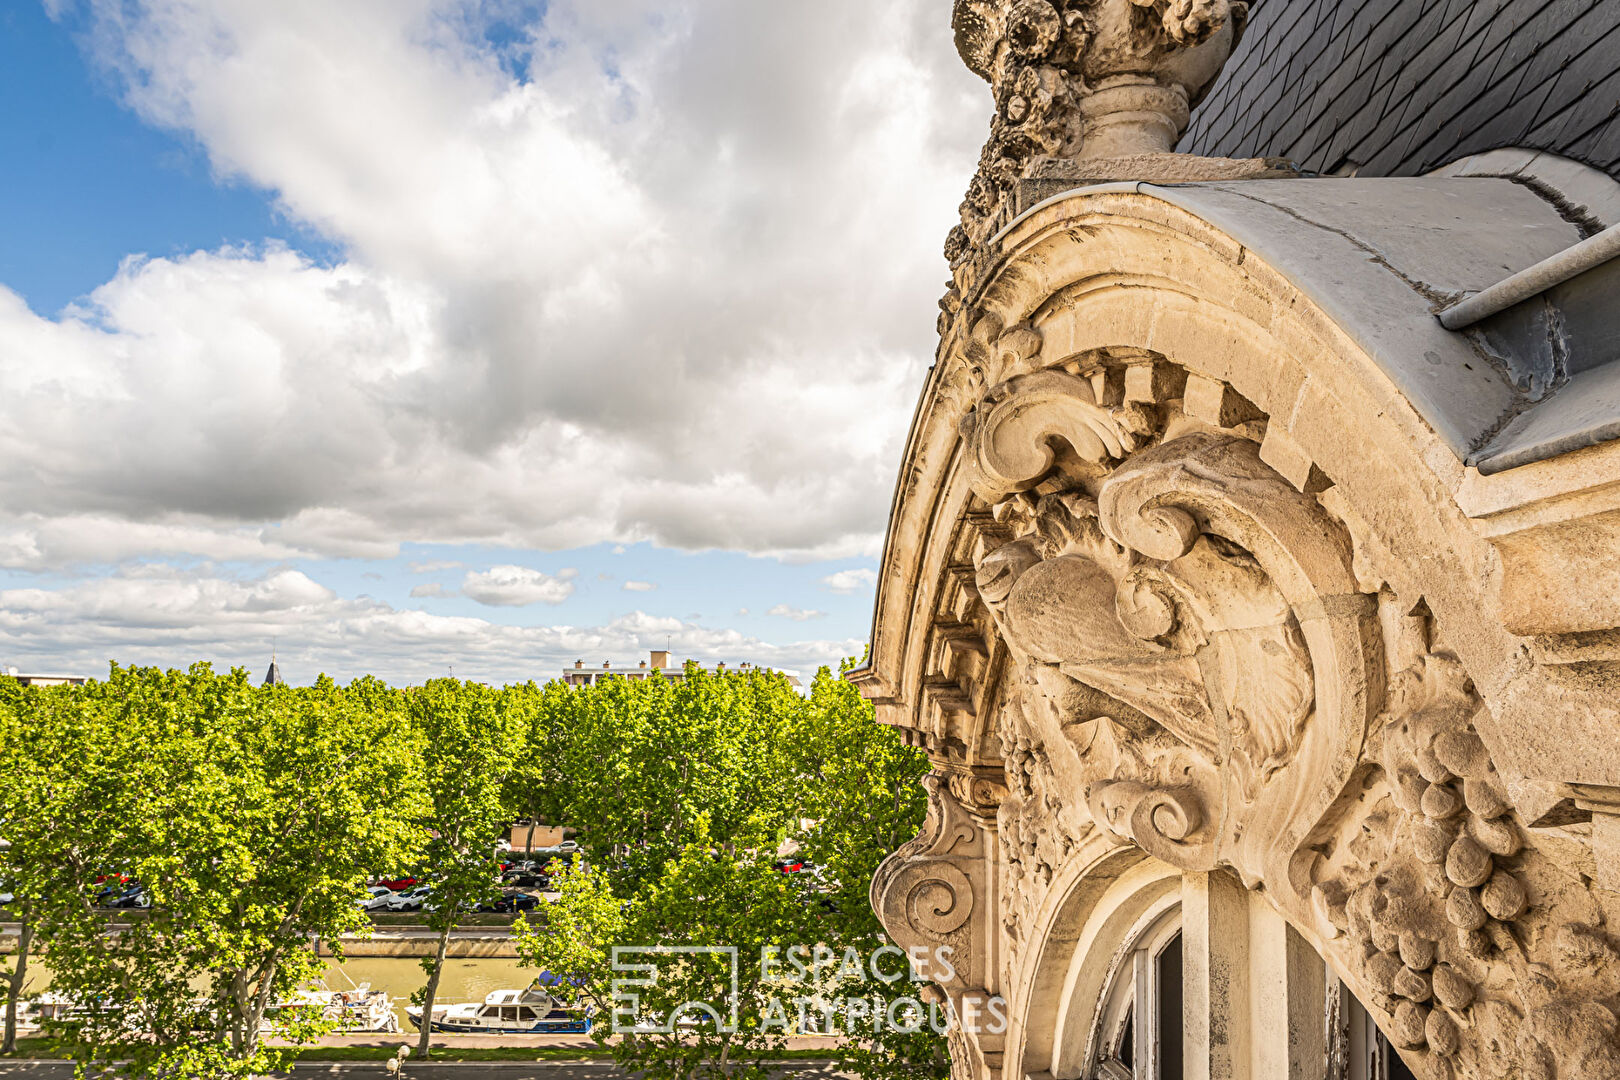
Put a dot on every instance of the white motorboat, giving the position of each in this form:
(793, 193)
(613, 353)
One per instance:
(359, 1009)
(505, 1012)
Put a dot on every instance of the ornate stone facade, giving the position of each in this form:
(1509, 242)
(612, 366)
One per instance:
(1192, 602)
(1088, 88)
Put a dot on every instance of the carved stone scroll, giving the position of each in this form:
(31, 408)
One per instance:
(1193, 644)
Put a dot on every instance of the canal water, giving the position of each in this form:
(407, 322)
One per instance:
(467, 979)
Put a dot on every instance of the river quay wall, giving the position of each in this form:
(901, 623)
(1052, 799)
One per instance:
(490, 941)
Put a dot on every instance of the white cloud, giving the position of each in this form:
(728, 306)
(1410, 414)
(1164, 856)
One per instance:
(849, 582)
(169, 617)
(517, 586)
(639, 586)
(667, 277)
(734, 208)
(160, 599)
(786, 611)
(33, 541)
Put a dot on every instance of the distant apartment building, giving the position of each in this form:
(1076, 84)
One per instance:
(46, 680)
(657, 666)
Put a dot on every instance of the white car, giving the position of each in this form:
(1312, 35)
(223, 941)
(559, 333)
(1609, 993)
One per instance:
(373, 898)
(410, 899)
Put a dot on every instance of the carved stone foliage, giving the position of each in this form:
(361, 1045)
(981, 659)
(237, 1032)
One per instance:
(1084, 79)
(1486, 957)
(1038, 830)
(1178, 612)
(1190, 658)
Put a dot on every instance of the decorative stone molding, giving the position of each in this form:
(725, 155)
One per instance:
(1088, 81)
(1179, 619)
(1174, 557)
(942, 891)
(1436, 901)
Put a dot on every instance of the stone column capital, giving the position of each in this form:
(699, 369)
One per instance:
(1086, 81)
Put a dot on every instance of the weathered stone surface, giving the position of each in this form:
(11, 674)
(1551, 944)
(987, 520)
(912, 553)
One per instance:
(1106, 81)
(1192, 600)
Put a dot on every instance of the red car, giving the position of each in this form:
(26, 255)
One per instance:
(395, 884)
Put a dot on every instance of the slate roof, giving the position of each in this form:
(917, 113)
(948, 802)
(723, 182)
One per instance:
(1401, 87)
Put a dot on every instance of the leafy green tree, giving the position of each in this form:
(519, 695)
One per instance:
(641, 768)
(250, 814)
(574, 938)
(472, 743)
(59, 785)
(684, 793)
(687, 1023)
(862, 796)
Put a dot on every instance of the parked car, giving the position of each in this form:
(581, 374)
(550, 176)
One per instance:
(119, 891)
(397, 884)
(373, 898)
(526, 879)
(409, 899)
(511, 900)
(132, 896)
(6, 895)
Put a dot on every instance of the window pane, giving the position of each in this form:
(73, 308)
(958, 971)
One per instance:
(1169, 1006)
(1127, 1040)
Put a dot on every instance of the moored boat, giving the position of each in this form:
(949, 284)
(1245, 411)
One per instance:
(355, 1010)
(505, 1012)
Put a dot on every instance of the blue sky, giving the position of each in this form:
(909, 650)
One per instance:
(410, 334)
(88, 184)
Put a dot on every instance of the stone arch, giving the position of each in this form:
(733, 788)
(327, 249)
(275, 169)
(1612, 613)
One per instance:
(1162, 572)
(1094, 910)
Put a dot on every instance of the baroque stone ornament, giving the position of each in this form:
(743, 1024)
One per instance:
(1085, 80)
(1438, 902)
(1208, 633)
(1195, 665)
(1179, 614)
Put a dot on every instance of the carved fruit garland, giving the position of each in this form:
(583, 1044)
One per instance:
(1438, 917)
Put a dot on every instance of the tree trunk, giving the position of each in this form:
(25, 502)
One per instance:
(14, 991)
(424, 1044)
(261, 1002)
(239, 1009)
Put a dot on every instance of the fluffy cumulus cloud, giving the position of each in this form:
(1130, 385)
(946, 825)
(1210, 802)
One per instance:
(642, 271)
(517, 586)
(608, 271)
(639, 586)
(144, 617)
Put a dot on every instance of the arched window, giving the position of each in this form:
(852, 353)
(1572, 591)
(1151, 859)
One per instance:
(1139, 1026)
